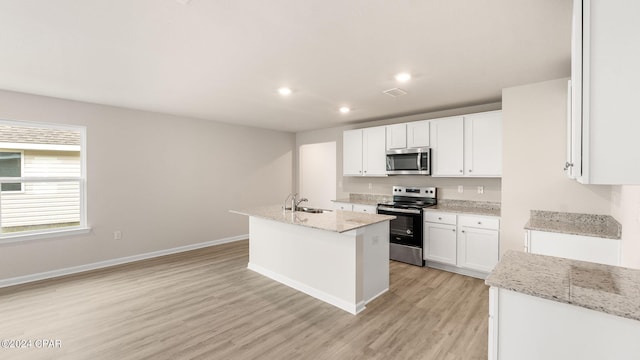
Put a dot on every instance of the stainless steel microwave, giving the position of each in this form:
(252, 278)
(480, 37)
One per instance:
(415, 161)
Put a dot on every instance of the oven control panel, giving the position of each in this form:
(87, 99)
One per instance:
(415, 191)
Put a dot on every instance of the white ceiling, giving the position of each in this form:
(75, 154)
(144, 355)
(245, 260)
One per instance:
(223, 60)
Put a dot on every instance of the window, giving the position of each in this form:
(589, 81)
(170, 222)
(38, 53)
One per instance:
(11, 166)
(42, 180)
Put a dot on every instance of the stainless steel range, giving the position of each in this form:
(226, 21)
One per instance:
(405, 238)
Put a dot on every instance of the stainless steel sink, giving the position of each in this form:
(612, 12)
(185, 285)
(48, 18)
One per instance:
(311, 210)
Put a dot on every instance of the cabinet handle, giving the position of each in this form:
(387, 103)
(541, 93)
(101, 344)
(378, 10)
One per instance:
(461, 171)
(462, 231)
(454, 230)
(470, 170)
(439, 218)
(479, 223)
(567, 165)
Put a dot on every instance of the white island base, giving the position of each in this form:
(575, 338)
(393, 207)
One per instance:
(345, 269)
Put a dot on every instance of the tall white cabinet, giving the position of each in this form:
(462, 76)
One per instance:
(469, 145)
(364, 152)
(447, 153)
(603, 94)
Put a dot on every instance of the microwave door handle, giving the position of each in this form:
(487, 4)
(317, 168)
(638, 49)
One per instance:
(419, 161)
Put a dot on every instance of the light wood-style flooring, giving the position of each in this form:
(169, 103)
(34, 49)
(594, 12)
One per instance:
(205, 304)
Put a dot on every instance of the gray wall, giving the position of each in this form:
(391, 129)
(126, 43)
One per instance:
(534, 152)
(164, 181)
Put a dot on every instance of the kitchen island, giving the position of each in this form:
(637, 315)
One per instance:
(340, 257)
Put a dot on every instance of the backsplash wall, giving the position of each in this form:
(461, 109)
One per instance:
(447, 187)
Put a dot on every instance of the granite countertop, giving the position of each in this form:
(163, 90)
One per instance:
(337, 221)
(365, 199)
(602, 226)
(467, 207)
(609, 289)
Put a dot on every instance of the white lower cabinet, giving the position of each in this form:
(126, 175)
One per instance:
(478, 243)
(526, 327)
(369, 209)
(576, 247)
(465, 244)
(342, 206)
(440, 243)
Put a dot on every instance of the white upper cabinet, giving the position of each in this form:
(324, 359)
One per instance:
(408, 135)
(418, 134)
(483, 144)
(447, 146)
(469, 145)
(396, 136)
(605, 78)
(352, 153)
(373, 152)
(363, 152)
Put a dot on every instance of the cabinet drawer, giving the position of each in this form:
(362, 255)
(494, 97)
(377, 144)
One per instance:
(441, 218)
(370, 209)
(342, 206)
(480, 222)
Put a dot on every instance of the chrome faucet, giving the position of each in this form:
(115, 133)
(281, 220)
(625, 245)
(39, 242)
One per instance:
(291, 196)
(299, 201)
(294, 202)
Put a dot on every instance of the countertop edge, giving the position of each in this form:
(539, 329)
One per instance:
(381, 218)
(523, 280)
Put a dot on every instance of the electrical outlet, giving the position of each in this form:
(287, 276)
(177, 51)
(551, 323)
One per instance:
(460, 189)
(117, 235)
(480, 189)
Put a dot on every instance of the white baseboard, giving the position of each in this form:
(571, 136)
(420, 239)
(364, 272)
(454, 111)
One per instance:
(376, 296)
(107, 263)
(457, 270)
(311, 291)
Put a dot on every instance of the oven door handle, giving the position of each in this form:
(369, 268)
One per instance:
(406, 211)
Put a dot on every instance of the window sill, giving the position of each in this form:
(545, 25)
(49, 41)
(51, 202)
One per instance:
(7, 239)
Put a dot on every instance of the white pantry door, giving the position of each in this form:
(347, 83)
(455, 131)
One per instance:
(317, 174)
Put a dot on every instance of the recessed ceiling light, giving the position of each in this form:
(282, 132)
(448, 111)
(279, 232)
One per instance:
(402, 77)
(284, 91)
(344, 109)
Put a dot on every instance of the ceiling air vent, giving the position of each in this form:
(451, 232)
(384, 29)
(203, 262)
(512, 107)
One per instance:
(395, 92)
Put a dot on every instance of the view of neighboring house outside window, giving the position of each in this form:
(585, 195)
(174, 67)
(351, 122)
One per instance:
(10, 166)
(49, 196)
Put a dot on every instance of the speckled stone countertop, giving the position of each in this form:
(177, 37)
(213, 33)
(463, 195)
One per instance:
(609, 289)
(338, 221)
(467, 207)
(366, 199)
(602, 226)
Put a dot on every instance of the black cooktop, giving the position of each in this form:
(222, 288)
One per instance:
(408, 205)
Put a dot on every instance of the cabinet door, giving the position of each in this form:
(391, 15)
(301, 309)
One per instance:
(478, 248)
(447, 146)
(418, 134)
(352, 153)
(396, 136)
(483, 144)
(374, 151)
(440, 243)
